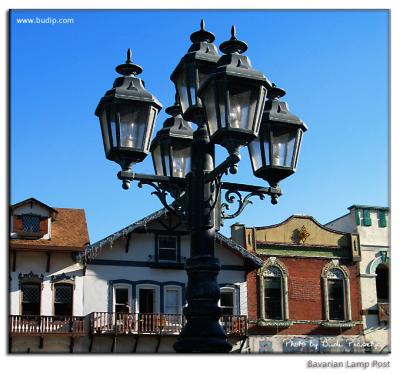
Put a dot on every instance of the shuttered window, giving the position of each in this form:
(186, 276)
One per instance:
(366, 217)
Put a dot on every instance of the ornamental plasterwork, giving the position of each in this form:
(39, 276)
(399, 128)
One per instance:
(271, 267)
(303, 234)
(61, 277)
(332, 270)
(30, 277)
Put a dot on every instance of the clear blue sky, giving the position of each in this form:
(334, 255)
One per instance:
(332, 64)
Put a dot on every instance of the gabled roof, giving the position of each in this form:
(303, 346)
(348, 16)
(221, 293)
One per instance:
(68, 233)
(32, 200)
(91, 251)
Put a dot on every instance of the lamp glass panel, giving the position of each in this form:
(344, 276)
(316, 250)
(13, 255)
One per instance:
(133, 126)
(165, 158)
(150, 127)
(156, 153)
(104, 131)
(181, 160)
(113, 126)
(243, 105)
(255, 154)
(222, 104)
(209, 104)
(182, 90)
(192, 86)
(297, 148)
(283, 141)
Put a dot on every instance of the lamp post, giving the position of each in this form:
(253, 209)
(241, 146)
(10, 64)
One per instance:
(226, 98)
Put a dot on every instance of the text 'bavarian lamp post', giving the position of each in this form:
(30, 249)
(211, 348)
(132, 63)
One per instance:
(233, 105)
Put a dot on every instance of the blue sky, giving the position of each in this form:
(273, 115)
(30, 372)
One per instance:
(332, 64)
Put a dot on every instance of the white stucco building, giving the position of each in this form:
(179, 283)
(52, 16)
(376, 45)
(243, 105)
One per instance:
(372, 224)
(124, 293)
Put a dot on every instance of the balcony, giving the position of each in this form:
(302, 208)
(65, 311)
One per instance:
(103, 323)
(43, 325)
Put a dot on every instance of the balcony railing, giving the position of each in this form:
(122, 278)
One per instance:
(150, 323)
(40, 325)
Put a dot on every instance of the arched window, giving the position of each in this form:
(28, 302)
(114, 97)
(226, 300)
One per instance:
(382, 283)
(273, 291)
(336, 292)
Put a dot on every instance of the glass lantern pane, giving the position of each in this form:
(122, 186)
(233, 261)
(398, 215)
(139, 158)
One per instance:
(156, 153)
(283, 141)
(255, 154)
(104, 131)
(209, 104)
(182, 90)
(222, 104)
(181, 160)
(242, 108)
(113, 126)
(150, 127)
(192, 86)
(133, 126)
(297, 148)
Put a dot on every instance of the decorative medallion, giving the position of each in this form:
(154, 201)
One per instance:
(303, 234)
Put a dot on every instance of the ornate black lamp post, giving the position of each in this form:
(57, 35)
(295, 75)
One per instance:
(225, 97)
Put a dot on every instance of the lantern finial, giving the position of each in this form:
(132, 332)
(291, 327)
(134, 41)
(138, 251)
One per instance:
(233, 45)
(129, 68)
(202, 35)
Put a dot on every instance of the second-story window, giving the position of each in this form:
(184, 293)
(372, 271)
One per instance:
(167, 248)
(63, 299)
(273, 294)
(122, 304)
(30, 299)
(30, 223)
(227, 302)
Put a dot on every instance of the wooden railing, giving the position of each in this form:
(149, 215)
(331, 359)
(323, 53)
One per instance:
(151, 323)
(38, 325)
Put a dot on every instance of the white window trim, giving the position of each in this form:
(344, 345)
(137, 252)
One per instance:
(334, 264)
(119, 286)
(274, 262)
(176, 248)
(235, 296)
(173, 288)
(156, 289)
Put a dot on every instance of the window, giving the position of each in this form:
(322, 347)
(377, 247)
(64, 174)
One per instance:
(366, 218)
(63, 299)
(30, 299)
(227, 302)
(336, 292)
(172, 301)
(121, 304)
(167, 248)
(30, 223)
(382, 218)
(382, 283)
(274, 303)
(273, 294)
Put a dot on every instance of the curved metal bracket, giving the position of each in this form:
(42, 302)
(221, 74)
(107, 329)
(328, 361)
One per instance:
(234, 196)
(161, 191)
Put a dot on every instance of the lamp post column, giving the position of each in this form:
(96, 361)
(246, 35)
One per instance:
(202, 332)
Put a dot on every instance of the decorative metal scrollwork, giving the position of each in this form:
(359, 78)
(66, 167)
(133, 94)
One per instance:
(162, 190)
(235, 197)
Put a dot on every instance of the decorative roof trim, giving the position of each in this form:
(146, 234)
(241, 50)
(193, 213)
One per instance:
(355, 206)
(294, 216)
(32, 200)
(94, 249)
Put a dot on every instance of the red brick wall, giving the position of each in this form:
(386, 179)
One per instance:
(305, 295)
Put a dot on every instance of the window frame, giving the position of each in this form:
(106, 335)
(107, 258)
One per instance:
(54, 287)
(117, 286)
(156, 304)
(262, 275)
(177, 248)
(232, 290)
(334, 265)
(179, 293)
(30, 283)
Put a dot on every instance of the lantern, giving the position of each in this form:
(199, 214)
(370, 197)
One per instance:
(274, 153)
(233, 97)
(193, 69)
(127, 115)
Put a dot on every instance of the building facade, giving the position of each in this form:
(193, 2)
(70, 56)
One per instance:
(124, 293)
(372, 225)
(306, 297)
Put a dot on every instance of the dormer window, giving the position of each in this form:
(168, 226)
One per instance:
(30, 223)
(167, 248)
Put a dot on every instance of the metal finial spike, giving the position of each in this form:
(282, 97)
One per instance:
(202, 25)
(129, 56)
(233, 32)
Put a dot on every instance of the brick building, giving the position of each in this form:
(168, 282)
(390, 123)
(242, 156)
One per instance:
(306, 297)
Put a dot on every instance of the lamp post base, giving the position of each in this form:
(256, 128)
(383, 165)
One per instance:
(202, 345)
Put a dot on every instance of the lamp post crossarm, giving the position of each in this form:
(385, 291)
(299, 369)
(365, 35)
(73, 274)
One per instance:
(162, 187)
(233, 195)
(228, 164)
